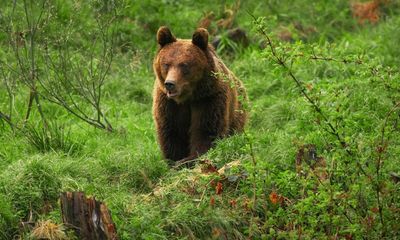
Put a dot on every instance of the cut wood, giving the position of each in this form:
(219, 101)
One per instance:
(89, 218)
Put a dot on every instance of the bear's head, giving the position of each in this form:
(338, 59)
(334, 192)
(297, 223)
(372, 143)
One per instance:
(182, 65)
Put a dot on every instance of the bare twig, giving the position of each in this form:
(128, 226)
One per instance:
(60, 78)
(72, 80)
(7, 119)
(27, 60)
(9, 84)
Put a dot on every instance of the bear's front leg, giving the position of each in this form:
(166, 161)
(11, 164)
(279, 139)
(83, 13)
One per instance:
(172, 124)
(209, 121)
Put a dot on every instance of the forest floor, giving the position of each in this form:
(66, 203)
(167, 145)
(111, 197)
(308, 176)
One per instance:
(319, 158)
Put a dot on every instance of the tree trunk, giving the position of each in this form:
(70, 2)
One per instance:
(90, 219)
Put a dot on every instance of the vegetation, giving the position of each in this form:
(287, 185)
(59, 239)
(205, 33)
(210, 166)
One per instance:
(319, 158)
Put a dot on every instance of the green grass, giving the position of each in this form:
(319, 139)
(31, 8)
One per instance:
(149, 200)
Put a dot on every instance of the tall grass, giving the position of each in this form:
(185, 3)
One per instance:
(53, 138)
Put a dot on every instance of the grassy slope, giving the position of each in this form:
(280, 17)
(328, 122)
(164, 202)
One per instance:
(150, 201)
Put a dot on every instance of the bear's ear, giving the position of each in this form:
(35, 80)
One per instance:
(164, 36)
(200, 38)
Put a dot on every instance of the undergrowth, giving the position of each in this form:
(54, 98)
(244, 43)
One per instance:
(319, 158)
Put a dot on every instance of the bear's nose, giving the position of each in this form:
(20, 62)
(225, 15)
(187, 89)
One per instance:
(169, 85)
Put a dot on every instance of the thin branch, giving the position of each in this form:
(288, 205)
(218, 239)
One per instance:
(9, 88)
(281, 61)
(7, 119)
(33, 75)
(380, 150)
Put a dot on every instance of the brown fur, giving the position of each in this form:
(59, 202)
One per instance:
(203, 105)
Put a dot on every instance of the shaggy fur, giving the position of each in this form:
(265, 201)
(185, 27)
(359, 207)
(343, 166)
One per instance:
(203, 105)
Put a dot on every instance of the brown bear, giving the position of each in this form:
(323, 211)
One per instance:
(195, 98)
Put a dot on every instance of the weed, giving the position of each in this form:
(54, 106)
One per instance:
(48, 230)
(54, 138)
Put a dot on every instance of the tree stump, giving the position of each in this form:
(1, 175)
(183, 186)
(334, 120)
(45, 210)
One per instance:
(90, 219)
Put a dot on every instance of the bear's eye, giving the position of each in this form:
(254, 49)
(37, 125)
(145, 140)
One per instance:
(185, 68)
(165, 66)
